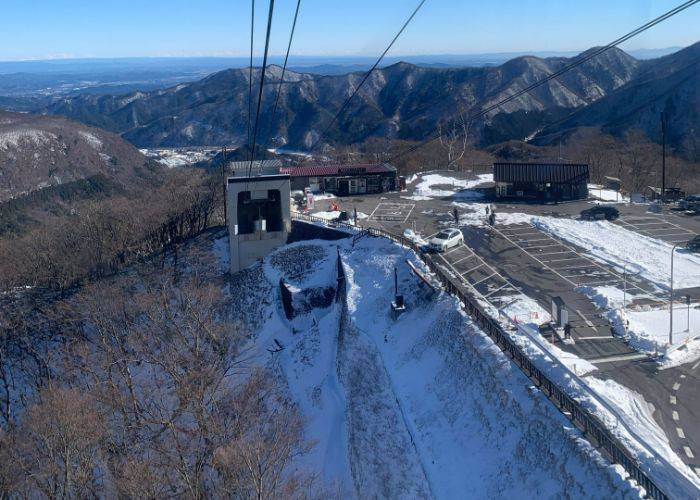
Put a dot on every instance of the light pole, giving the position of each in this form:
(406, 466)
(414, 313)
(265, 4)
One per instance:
(670, 326)
(687, 301)
(624, 289)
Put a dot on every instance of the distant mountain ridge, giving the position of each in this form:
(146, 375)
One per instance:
(42, 151)
(401, 100)
(670, 84)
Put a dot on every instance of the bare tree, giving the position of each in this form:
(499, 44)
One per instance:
(257, 462)
(59, 445)
(454, 137)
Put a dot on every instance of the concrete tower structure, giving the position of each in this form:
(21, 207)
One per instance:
(259, 218)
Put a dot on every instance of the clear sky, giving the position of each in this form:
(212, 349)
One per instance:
(41, 29)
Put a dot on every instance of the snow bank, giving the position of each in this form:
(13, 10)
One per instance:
(646, 327)
(327, 215)
(598, 191)
(525, 310)
(411, 235)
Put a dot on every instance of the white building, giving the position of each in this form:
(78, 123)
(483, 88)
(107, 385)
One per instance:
(258, 214)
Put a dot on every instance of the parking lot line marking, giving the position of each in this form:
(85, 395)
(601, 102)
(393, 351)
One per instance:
(523, 234)
(688, 452)
(473, 269)
(560, 260)
(409, 212)
(622, 357)
(675, 415)
(676, 386)
(584, 318)
(498, 289)
(463, 258)
(487, 277)
(675, 235)
(548, 253)
(578, 266)
(536, 239)
(680, 433)
(663, 223)
(673, 400)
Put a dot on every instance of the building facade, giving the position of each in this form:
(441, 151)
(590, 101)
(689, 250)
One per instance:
(542, 182)
(258, 216)
(343, 180)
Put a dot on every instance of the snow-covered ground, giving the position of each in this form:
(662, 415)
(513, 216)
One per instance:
(441, 186)
(526, 311)
(422, 406)
(178, 157)
(612, 407)
(13, 138)
(335, 214)
(603, 194)
(646, 328)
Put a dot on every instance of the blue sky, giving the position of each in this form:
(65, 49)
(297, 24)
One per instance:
(39, 29)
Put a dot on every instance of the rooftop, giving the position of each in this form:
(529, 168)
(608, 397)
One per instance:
(540, 172)
(339, 169)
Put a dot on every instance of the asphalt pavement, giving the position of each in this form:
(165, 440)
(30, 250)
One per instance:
(502, 261)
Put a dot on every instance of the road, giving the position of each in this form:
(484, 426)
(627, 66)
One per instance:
(504, 260)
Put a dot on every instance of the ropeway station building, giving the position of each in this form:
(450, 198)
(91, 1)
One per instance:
(258, 213)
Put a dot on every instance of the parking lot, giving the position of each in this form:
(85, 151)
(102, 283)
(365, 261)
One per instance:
(397, 212)
(656, 227)
(477, 273)
(566, 261)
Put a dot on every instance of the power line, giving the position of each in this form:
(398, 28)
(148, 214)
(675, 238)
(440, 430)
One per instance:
(250, 70)
(560, 72)
(262, 83)
(364, 79)
(284, 67)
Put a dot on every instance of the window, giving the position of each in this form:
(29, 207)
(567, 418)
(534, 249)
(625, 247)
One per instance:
(247, 213)
(268, 209)
(330, 183)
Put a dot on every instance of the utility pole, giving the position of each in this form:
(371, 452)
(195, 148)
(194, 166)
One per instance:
(624, 292)
(223, 182)
(670, 307)
(663, 157)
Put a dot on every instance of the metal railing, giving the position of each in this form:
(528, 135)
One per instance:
(588, 423)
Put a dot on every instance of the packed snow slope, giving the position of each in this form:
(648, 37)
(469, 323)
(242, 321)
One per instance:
(418, 407)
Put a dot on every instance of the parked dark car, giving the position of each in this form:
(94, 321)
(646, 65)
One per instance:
(691, 202)
(694, 244)
(600, 212)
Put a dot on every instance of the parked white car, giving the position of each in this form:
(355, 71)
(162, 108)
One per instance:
(446, 239)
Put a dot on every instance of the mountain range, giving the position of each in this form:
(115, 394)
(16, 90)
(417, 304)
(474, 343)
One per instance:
(42, 151)
(614, 91)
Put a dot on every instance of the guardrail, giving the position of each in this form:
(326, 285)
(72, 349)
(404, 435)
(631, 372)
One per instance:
(588, 423)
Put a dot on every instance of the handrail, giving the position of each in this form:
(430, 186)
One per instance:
(590, 424)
